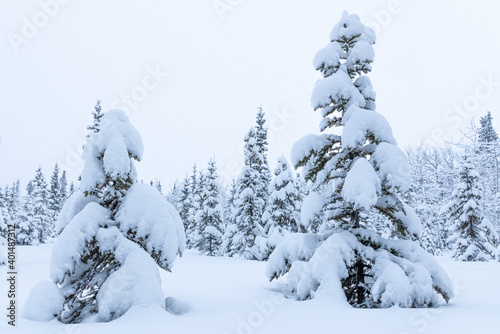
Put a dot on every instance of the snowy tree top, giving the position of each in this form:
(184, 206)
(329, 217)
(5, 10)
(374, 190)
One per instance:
(115, 126)
(350, 27)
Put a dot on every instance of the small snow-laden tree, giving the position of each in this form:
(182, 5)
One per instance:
(194, 199)
(199, 196)
(248, 207)
(472, 235)
(63, 189)
(54, 196)
(173, 195)
(41, 212)
(27, 229)
(184, 203)
(114, 232)
(230, 227)
(262, 165)
(209, 218)
(362, 171)
(11, 202)
(282, 215)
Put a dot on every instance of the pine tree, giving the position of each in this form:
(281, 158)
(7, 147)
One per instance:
(367, 172)
(63, 188)
(185, 205)
(97, 115)
(486, 132)
(262, 166)
(42, 217)
(27, 229)
(209, 217)
(488, 156)
(282, 215)
(173, 195)
(107, 256)
(194, 200)
(12, 197)
(248, 204)
(472, 235)
(54, 196)
(157, 185)
(230, 227)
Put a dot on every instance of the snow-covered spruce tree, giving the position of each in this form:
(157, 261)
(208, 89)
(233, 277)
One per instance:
(472, 235)
(11, 198)
(248, 206)
(282, 215)
(230, 227)
(365, 171)
(115, 232)
(41, 212)
(173, 195)
(209, 218)
(262, 166)
(198, 198)
(184, 202)
(26, 229)
(63, 189)
(194, 206)
(488, 167)
(54, 196)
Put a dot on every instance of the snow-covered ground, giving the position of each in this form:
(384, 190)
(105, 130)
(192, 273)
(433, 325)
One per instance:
(227, 295)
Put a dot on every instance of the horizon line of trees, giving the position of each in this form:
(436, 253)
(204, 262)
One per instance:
(250, 215)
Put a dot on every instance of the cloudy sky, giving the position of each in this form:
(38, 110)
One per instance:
(191, 74)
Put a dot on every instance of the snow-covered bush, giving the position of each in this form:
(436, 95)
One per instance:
(366, 173)
(115, 233)
(44, 303)
(472, 235)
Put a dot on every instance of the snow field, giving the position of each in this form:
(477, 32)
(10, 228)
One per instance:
(228, 295)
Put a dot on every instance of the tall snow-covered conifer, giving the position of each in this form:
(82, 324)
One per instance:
(248, 207)
(364, 171)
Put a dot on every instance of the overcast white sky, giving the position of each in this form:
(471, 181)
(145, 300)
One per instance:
(431, 58)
